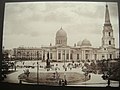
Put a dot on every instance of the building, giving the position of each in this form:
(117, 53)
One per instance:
(80, 51)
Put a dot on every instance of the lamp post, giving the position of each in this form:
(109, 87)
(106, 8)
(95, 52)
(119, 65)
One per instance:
(64, 65)
(64, 58)
(37, 68)
(109, 72)
(85, 76)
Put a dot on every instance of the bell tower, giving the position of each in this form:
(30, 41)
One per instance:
(107, 39)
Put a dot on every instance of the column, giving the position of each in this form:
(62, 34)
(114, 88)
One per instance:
(42, 54)
(57, 55)
(90, 55)
(82, 55)
(62, 58)
(69, 55)
(65, 55)
(45, 56)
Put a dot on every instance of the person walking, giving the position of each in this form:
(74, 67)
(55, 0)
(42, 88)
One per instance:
(57, 68)
(27, 72)
(60, 82)
(89, 76)
(63, 83)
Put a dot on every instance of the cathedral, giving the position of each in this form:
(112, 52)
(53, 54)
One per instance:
(80, 51)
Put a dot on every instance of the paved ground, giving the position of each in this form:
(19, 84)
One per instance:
(95, 80)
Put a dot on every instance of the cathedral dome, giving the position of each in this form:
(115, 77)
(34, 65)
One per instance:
(86, 42)
(61, 33)
(61, 37)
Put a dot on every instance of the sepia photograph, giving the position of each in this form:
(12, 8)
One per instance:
(61, 43)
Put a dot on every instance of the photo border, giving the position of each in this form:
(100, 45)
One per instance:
(27, 87)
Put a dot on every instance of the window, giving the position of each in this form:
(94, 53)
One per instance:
(86, 56)
(110, 56)
(43, 56)
(67, 56)
(59, 55)
(109, 42)
(71, 57)
(77, 56)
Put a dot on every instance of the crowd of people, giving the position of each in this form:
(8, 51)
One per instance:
(56, 67)
(60, 66)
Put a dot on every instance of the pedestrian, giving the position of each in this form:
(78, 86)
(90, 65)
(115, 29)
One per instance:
(57, 75)
(59, 82)
(26, 72)
(23, 63)
(63, 67)
(89, 76)
(63, 83)
(57, 68)
(20, 81)
(53, 76)
(70, 66)
(108, 82)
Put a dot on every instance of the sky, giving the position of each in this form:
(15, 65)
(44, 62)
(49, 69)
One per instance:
(34, 24)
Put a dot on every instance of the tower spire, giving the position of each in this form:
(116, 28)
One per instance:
(107, 17)
(107, 39)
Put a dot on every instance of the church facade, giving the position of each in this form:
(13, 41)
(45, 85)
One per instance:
(80, 51)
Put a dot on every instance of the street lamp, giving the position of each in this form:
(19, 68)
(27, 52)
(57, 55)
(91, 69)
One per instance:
(85, 76)
(109, 72)
(43, 55)
(64, 58)
(64, 65)
(37, 68)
